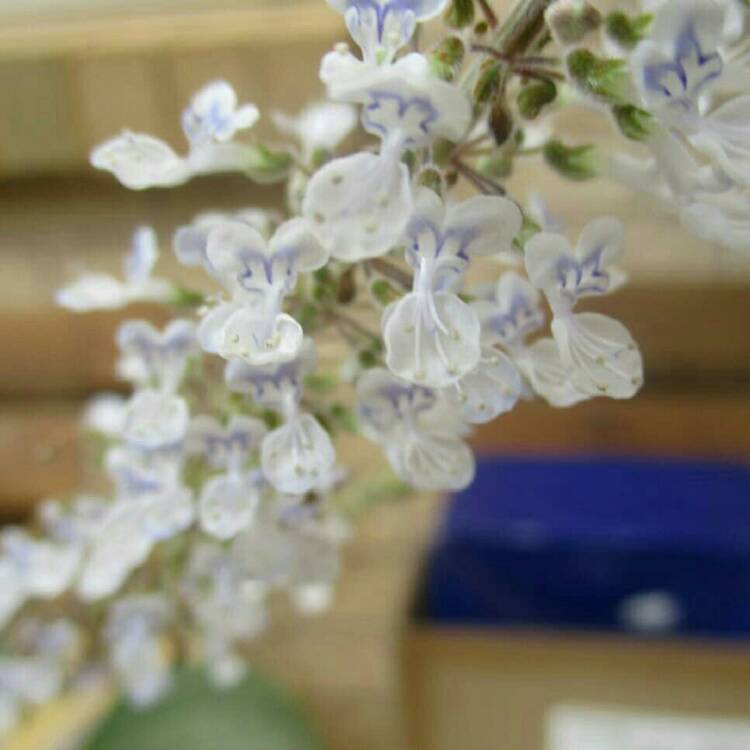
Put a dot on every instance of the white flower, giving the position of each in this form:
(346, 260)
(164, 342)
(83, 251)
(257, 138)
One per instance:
(156, 358)
(228, 501)
(404, 104)
(119, 545)
(45, 569)
(382, 27)
(167, 512)
(139, 658)
(259, 274)
(419, 431)
(229, 447)
(156, 420)
(100, 291)
(105, 414)
(359, 205)
(509, 314)
(321, 126)
(140, 161)
(297, 455)
(598, 352)
(431, 336)
(191, 241)
(675, 70)
(213, 115)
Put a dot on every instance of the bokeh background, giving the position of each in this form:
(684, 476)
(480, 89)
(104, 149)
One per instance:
(73, 72)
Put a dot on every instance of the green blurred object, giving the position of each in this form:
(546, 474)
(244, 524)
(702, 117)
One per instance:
(197, 716)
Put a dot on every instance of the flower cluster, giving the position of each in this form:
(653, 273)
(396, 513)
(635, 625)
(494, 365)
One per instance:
(225, 481)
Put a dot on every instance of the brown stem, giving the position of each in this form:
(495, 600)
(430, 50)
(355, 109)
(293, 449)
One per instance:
(489, 14)
(481, 182)
(390, 271)
(523, 25)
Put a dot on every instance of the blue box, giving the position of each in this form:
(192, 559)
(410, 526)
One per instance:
(605, 544)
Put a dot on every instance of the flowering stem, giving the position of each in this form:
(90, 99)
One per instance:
(522, 26)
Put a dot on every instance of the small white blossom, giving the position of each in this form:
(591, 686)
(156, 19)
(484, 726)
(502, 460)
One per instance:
(140, 161)
(598, 352)
(138, 656)
(675, 71)
(382, 27)
(258, 274)
(100, 291)
(419, 432)
(431, 336)
(321, 126)
(296, 455)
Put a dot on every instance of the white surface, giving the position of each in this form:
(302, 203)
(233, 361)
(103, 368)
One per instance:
(586, 728)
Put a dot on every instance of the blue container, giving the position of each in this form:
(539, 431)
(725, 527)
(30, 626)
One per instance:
(617, 545)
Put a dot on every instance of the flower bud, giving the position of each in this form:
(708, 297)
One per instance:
(632, 121)
(446, 59)
(432, 179)
(625, 30)
(571, 20)
(460, 13)
(574, 162)
(500, 122)
(534, 97)
(497, 165)
(603, 78)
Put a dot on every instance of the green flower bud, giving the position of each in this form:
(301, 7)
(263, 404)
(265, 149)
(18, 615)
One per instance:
(442, 150)
(266, 166)
(447, 58)
(460, 14)
(572, 20)
(500, 122)
(182, 297)
(431, 178)
(534, 97)
(602, 78)
(574, 162)
(634, 123)
(498, 165)
(627, 31)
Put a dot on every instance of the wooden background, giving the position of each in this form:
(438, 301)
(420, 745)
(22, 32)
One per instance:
(70, 81)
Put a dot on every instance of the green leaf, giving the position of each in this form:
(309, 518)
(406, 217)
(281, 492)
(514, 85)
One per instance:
(599, 77)
(573, 162)
(627, 30)
(266, 166)
(632, 121)
(198, 716)
(534, 97)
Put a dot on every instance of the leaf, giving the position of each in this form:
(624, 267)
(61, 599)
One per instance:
(197, 716)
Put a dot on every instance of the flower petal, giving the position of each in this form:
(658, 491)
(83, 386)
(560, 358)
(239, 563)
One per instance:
(228, 504)
(599, 354)
(297, 454)
(432, 340)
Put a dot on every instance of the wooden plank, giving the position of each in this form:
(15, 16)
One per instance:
(693, 335)
(41, 452)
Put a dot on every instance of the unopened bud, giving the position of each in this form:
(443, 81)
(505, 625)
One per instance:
(574, 162)
(266, 166)
(432, 179)
(603, 78)
(446, 59)
(460, 13)
(534, 97)
(500, 122)
(498, 165)
(627, 31)
(633, 122)
(571, 20)
(488, 83)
